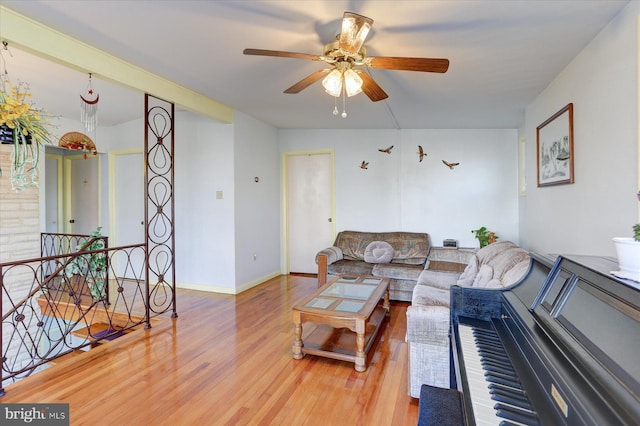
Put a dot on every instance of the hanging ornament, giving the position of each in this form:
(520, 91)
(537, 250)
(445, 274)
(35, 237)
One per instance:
(89, 108)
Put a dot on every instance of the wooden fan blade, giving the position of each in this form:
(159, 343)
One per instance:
(280, 54)
(411, 64)
(371, 88)
(307, 81)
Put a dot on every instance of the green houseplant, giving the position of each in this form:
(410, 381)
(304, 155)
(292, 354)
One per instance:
(91, 266)
(26, 129)
(484, 236)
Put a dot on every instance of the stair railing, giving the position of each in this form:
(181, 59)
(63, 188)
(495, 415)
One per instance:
(55, 305)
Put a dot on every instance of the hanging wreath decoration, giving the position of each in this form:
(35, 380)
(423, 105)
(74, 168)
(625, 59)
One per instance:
(78, 142)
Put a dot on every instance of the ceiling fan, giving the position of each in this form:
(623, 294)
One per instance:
(345, 55)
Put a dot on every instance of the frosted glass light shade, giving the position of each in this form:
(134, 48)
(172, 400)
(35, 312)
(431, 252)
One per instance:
(352, 82)
(332, 83)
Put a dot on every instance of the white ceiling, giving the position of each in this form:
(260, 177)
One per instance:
(502, 54)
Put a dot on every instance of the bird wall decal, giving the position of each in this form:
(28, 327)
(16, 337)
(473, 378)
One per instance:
(450, 165)
(386, 150)
(421, 153)
(364, 165)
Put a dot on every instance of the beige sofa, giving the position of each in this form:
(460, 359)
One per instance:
(403, 266)
(495, 266)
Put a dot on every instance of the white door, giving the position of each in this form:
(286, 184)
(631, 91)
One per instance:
(309, 191)
(84, 194)
(128, 199)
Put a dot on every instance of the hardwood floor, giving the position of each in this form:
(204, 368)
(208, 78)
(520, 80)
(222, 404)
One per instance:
(227, 361)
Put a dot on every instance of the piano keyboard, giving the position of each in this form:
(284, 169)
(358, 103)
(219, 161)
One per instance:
(496, 394)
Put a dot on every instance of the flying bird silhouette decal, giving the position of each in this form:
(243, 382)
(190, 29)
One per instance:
(450, 165)
(364, 165)
(386, 150)
(421, 153)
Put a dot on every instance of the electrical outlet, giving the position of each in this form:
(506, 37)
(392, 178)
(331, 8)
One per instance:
(218, 195)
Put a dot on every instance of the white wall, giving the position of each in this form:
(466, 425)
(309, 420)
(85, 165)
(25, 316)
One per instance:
(481, 191)
(257, 204)
(215, 237)
(397, 192)
(601, 82)
(204, 224)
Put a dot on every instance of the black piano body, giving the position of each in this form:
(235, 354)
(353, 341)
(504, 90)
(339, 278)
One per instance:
(572, 333)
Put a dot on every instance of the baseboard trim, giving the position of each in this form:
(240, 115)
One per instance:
(227, 290)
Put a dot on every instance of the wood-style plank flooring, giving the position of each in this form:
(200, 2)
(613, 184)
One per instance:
(227, 361)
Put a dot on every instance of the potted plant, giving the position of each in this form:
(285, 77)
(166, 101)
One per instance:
(91, 267)
(484, 236)
(628, 251)
(24, 127)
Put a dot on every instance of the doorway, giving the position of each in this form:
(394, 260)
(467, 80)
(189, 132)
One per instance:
(72, 192)
(81, 194)
(309, 200)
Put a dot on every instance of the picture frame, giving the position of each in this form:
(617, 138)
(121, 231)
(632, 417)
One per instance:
(555, 148)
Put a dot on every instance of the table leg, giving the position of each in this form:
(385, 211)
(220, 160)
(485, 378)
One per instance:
(361, 363)
(296, 349)
(385, 304)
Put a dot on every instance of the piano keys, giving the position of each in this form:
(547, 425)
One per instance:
(558, 348)
(496, 393)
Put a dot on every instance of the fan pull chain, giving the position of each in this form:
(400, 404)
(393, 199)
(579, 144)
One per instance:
(335, 106)
(344, 102)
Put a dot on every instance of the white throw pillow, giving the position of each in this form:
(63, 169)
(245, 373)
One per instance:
(378, 252)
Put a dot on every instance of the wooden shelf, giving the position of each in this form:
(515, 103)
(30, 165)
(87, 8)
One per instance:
(340, 343)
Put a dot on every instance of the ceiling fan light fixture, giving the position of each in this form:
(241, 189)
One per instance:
(355, 29)
(352, 83)
(332, 83)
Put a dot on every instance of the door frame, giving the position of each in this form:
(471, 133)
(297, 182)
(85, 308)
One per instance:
(285, 198)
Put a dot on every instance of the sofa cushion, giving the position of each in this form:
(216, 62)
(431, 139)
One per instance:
(506, 260)
(409, 247)
(486, 253)
(397, 271)
(424, 295)
(350, 267)
(469, 274)
(492, 283)
(378, 252)
(436, 278)
(516, 273)
(485, 274)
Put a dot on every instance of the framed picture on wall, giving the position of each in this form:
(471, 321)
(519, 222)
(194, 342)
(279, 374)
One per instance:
(555, 148)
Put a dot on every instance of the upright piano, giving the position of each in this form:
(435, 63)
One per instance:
(561, 347)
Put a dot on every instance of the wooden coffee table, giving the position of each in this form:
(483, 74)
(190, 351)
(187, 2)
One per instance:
(348, 318)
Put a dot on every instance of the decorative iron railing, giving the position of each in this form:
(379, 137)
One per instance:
(55, 244)
(55, 305)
